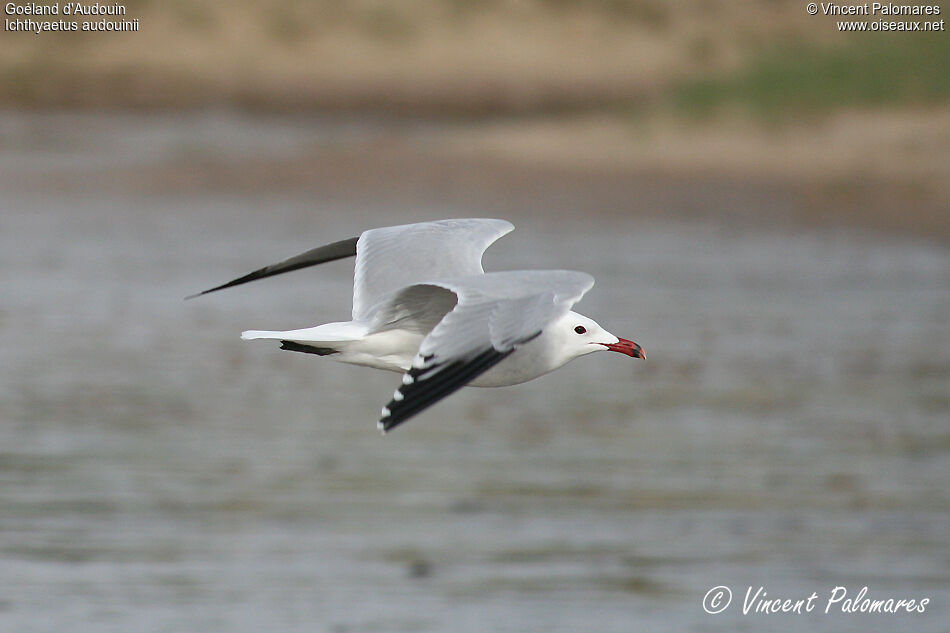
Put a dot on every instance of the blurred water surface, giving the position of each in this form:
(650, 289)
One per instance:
(790, 428)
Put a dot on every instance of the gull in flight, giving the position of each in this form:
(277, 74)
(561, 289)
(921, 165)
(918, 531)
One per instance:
(423, 306)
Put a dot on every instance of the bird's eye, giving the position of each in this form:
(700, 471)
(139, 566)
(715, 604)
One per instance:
(580, 329)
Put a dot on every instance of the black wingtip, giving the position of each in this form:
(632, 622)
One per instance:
(386, 421)
(221, 287)
(236, 282)
(319, 255)
(429, 384)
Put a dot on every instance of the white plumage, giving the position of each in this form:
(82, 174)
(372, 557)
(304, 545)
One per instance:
(423, 305)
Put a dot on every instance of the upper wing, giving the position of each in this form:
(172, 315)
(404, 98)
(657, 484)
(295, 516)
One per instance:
(495, 314)
(391, 258)
(396, 256)
(319, 255)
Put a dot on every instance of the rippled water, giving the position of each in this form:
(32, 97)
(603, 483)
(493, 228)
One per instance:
(791, 428)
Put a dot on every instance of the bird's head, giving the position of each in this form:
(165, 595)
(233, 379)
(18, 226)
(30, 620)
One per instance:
(580, 335)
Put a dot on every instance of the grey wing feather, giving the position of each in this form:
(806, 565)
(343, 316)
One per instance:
(496, 308)
(417, 309)
(391, 258)
(495, 314)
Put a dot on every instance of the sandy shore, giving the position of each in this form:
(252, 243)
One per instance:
(883, 173)
(888, 171)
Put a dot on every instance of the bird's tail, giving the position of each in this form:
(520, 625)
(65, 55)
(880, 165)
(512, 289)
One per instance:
(250, 335)
(328, 336)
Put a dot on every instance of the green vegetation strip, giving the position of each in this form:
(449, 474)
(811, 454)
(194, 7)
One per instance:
(794, 80)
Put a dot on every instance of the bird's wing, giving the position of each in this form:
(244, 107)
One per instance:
(494, 315)
(391, 258)
(418, 309)
(319, 255)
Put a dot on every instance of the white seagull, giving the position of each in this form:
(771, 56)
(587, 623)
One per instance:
(423, 306)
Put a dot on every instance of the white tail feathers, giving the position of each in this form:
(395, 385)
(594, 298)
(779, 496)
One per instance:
(255, 334)
(326, 333)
